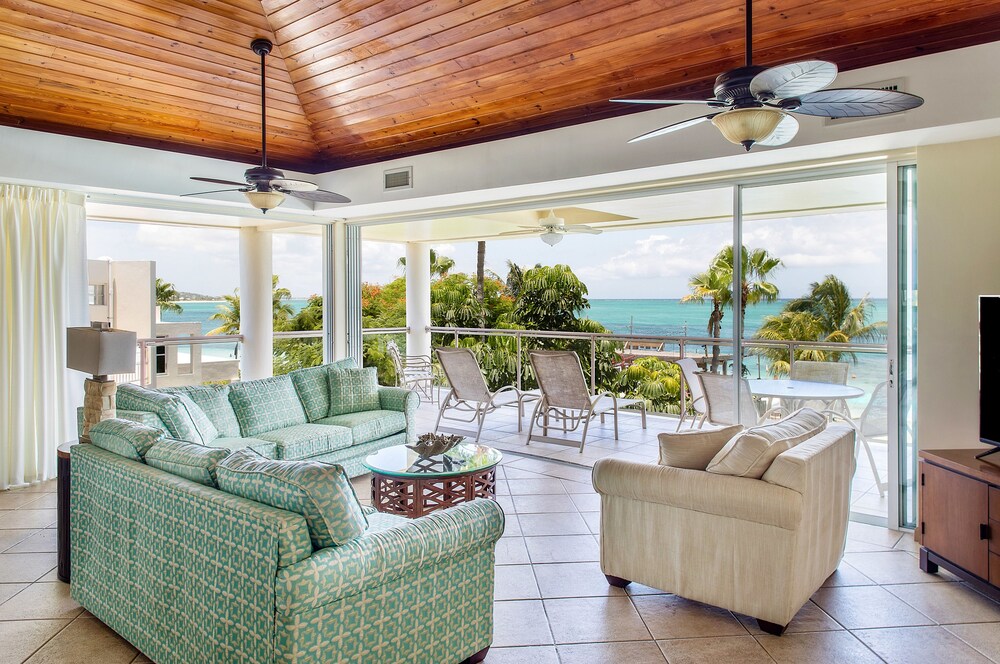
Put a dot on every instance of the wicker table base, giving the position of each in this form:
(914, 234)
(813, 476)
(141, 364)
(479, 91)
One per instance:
(415, 497)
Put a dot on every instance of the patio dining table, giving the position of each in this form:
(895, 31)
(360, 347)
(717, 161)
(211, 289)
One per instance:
(803, 390)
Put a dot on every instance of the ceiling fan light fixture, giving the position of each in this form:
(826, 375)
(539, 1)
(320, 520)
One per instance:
(265, 200)
(551, 238)
(746, 126)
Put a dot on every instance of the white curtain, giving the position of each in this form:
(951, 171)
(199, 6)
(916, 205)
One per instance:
(43, 290)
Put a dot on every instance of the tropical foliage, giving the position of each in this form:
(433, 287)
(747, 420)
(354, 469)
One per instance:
(166, 297)
(656, 381)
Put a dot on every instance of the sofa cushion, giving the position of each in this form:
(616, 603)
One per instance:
(174, 412)
(125, 437)
(307, 440)
(265, 448)
(353, 390)
(369, 425)
(214, 401)
(750, 453)
(266, 404)
(313, 387)
(694, 449)
(320, 492)
(194, 462)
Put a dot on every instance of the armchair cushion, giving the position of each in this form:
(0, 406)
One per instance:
(125, 437)
(266, 404)
(353, 390)
(214, 401)
(194, 462)
(750, 453)
(694, 449)
(313, 387)
(320, 492)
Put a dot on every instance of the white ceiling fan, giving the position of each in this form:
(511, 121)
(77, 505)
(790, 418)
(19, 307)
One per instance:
(552, 228)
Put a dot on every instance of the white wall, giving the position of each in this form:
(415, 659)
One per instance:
(958, 234)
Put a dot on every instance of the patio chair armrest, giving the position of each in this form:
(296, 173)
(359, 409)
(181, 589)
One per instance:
(404, 401)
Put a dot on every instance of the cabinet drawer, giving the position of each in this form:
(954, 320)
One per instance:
(995, 569)
(995, 503)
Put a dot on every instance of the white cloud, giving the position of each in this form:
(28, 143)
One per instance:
(658, 256)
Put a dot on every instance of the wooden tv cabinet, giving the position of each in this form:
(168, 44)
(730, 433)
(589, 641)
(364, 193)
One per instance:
(960, 516)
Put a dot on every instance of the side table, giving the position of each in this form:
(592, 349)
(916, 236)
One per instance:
(62, 511)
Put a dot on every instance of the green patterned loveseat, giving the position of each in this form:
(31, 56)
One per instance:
(334, 413)
(188, 573)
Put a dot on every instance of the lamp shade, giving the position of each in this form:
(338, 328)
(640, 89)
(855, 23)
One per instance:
(265, 200)
(746, 126)
(100, 352)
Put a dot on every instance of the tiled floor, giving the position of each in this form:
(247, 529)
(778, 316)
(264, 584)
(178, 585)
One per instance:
(552, 602)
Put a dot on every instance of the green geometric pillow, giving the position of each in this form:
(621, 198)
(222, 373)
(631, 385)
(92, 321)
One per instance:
(175, 415)
(320, 492)
(125, 437)
(202, 424)
(266, 404)
(313, 388)
(353, 391)
(214, 400)
(194, 462)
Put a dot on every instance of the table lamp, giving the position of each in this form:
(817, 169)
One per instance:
(99, 350)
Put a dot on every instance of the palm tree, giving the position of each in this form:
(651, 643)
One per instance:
(827, 313)
(441, 265)
(515, 278)
(480, 268)
(166, 296)
(229, 311)
(716, 286)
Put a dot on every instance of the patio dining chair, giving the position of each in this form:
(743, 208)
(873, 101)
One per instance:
(566, 398)
(821, 372)
(689, 369)
(415, 372)
(720, 408)
(470, 399)
(873, 423)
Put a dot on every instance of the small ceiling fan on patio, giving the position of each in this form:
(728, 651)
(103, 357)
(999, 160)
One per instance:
(754, 102)
(266, 187)
(552, 228)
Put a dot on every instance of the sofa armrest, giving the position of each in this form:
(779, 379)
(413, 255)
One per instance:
(699, 491)
(404, 401)
(140, 416)
(381, 556)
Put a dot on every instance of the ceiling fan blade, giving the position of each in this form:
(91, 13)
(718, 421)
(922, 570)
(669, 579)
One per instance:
(710, 102)
(215, 181)
(216, 191)
(589, 230)
(293, 185)
(673, 127)
(529, 232)
(784, 132)
(319, 195)
(852, 103)
(793, 79)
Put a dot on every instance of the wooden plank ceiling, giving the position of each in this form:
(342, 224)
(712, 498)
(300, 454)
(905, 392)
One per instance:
(359, 81)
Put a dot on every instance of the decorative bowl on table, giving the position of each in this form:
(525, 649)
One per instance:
(432, 444)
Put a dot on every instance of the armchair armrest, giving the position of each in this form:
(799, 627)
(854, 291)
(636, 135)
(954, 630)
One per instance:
(404, 401)
(381, 556)
(140, 416)
(700, 491)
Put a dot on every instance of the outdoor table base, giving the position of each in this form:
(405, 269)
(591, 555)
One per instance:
(414, 497)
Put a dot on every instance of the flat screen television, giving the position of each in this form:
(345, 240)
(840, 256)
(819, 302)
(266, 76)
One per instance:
(989, 372)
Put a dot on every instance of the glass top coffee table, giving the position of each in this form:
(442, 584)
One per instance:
(411, 485)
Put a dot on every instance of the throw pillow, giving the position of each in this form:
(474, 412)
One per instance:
(320, 492)
(265, 405)
(694, 449)
(202, 423)
(194, 462)
(353, 391)
(214, 401)
(313, 387)
(750, 453)
(174, 413)
(125, 437)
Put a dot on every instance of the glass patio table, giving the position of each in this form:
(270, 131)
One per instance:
(798, 391)
(412, 485)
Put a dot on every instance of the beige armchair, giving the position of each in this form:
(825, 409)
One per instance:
(760, 547)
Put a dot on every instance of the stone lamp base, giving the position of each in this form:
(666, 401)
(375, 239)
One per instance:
(98, 402)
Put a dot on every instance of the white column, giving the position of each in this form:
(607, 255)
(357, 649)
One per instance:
(418, 298)
(335, 302)
(256, 307)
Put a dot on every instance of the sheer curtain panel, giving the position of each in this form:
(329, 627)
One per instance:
(43, 290)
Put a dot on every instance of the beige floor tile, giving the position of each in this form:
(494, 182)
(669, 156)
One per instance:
(552, 524)
(810, 618)
(948, 602)
(501, 488)
(51, 577)
(894, 567)
(673, 617)
(632, 652)
(20, 638)
(9, 538)
(511, 551)
(984, 637)
(511, 526)
(515, 582)
(845, 575)
(573, 580)
(41, 601)
(25, 567)
(523, 487)
(506, 504)
(717, 650)
(13, 499)
(863, 607)
(44, 541)
(520, 623)
(577, 487)
(8, 590)
(594, 619)
(907, 543)
(543, 504)
(523, 655)
(639, 589)
(818, 648)
(43, 501)
(563, 549)
(593, 520)
(863, 532)
(84, 641)
(587, 502)
(25, 518)
(919, 645)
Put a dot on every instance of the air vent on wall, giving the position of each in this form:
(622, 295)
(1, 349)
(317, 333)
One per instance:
(893, 84)
(397, 178)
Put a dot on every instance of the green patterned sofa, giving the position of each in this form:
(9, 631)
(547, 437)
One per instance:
(188, 573)
(295, 416)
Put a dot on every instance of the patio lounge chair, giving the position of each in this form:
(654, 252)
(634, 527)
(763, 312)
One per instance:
(470, 397)
(719, 409)
(689, 369)
(566, 398)
(415, 372)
